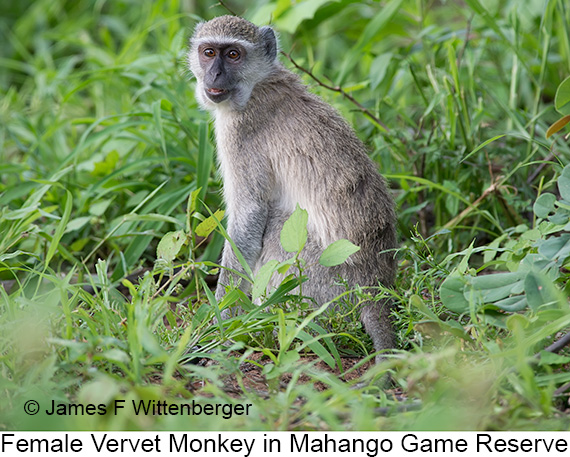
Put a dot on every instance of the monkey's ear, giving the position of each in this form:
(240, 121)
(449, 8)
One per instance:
(270, 41)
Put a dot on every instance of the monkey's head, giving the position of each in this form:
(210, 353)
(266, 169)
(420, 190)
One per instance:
(229, 56)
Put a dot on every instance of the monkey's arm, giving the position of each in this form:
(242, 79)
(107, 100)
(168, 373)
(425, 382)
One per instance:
(246, 225)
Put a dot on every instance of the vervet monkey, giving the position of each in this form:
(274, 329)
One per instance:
(278, 145)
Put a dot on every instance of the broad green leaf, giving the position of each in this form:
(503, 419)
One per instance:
(550, 358)
(288, 358)
(492, 248)
(544, 205)
(99, 208)
(496, 286)
(107, 165)
(540, 290)
(512, 304)
(170, 245)
(564, 183)
(555, 248)
(262, 278)
(516, 322)
(294, 232)
(560, 217)
(451, 293)
(337, 253)
(77, 223)
(450, 325)
(208, 225)
(562, 98)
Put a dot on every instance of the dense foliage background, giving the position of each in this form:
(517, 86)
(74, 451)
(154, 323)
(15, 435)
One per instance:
(104, 153)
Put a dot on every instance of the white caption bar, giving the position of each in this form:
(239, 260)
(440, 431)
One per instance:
(253, 444)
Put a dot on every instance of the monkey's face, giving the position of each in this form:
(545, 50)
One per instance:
(221, 65)
(229, 56)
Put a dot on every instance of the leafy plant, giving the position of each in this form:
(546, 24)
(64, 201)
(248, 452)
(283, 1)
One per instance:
(533, 260)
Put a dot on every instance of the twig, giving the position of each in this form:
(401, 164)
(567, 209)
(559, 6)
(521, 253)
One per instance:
(489, 190)
(338, 89)
(558, 345)
(541, 167)
(222, 3)
(561, 390)
(466, 42)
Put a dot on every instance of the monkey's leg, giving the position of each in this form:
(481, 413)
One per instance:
(378, 324)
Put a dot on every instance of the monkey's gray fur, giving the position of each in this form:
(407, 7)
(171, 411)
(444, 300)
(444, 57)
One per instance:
(279, 145)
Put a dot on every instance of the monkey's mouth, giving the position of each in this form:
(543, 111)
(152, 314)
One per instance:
(216, 94)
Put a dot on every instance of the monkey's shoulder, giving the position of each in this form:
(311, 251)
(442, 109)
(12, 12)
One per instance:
(286, 102)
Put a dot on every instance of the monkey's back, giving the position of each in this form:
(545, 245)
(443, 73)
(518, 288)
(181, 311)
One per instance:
(330, 176)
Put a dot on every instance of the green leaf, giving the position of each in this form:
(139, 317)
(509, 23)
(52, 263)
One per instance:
(337, 253)
(77, 223)
(512, 304)
(451, 203)
(170, 245)
(193, 200)
(99, 208)
(550, 358)
(205, 160)
(208, 225)
(377, 23)
(540, 290)
(564, 183)
(378, 69)
(152, 217)
(451, 293)
(106, 166)
(496, 286)
(280, 294)
(450, 326)
(417, 302)
(556, 248)
(294, 232)
(113, 355)
(291, 20)
(316, 347)
(262, 278)
(544, 205)
(481, 146)
(562, 98)
(60, 230)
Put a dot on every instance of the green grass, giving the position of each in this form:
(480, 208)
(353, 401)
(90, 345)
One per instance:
(103, 152)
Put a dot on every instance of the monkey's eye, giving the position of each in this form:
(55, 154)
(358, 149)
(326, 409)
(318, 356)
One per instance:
(209, 52)
(233, 54)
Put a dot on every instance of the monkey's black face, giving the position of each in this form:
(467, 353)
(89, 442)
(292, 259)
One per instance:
(221, 65)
